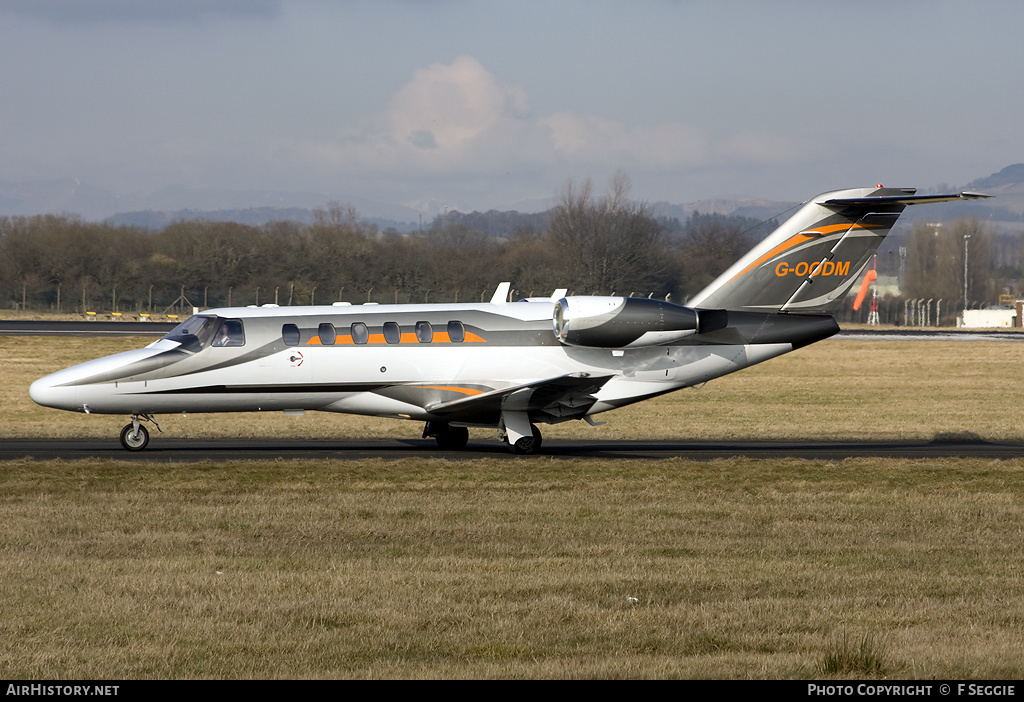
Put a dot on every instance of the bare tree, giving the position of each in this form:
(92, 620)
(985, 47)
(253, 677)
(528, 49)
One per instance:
(607, 244)
(710, 243)
(935, 262)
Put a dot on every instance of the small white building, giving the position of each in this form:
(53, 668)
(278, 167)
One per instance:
(886, 285)
(974, 319)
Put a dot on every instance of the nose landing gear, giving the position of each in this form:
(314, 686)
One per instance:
(134, 436)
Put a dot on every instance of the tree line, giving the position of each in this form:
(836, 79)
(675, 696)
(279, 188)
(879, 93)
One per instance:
(589, 243)
(962, 262)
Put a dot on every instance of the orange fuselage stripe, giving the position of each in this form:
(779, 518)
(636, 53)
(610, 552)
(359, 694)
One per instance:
(464, 391)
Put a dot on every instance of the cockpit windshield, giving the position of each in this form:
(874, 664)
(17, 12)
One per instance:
(199, 331)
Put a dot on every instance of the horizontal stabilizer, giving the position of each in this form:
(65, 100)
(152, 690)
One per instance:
(900, 199)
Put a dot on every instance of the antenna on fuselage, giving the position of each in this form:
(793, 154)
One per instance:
(500, 296)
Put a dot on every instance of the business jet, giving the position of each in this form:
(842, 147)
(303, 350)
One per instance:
(504, 365)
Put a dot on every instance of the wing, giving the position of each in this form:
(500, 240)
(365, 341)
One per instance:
(562, 397)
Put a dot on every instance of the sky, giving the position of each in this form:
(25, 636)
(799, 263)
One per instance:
(482, 104)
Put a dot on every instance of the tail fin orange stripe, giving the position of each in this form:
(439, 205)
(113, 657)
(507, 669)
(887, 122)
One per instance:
(798, 239)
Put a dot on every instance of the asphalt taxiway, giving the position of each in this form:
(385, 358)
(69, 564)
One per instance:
(31, 327)
(172, 450)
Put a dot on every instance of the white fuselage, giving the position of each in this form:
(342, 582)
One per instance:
(506, 345)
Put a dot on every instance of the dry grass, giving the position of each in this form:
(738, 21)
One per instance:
(864, 657)
(504, 568)
(544, 568)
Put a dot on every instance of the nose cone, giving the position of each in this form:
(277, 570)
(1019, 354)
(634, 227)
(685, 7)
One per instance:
(49, 392)
(92, 386)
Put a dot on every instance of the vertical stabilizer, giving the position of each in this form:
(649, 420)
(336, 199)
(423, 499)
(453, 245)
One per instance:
(812, 260)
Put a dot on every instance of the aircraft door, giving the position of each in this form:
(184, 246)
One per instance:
(291, 366)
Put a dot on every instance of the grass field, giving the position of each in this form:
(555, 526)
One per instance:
(836, 389)
(536, 568)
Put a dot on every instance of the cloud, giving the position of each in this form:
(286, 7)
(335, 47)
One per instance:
(459, 123)
(448, 117)
(461, 116)
(456, 104)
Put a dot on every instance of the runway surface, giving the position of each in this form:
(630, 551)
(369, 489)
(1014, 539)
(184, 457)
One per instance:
(22, 327)
(171, 450)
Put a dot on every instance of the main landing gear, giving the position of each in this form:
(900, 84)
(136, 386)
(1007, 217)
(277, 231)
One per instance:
(512, 432)
(522, 437)
(134, 436)
(448, 438)
(526, 445)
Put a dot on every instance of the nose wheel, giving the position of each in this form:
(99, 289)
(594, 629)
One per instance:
(134, 436)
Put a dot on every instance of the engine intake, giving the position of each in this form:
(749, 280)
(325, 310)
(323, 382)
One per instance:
(621, 322)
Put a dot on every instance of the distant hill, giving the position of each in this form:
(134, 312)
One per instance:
(65, 195)
(752, 207)
(1010, 178)
(158, 208)
(1008, 187)
(1005, 209)
(252, 216)
(155, 208)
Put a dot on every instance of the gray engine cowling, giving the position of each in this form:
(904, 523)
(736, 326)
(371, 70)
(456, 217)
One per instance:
(621, 322)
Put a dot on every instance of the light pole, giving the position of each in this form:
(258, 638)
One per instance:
(966, 237)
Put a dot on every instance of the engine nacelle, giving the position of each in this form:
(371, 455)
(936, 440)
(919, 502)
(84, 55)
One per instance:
(621, 322)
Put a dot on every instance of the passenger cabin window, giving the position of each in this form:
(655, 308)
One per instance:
(360, 334)
(424, 332)
(290, 334)
(456, 332)
(327, 334)
(392, 332)
(230, 333)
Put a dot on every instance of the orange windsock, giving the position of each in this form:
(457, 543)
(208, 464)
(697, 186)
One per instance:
(864, 288)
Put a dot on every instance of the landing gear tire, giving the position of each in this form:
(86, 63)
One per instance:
(448, 438)
(527, 445)
(454, 439)
(134, 439)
